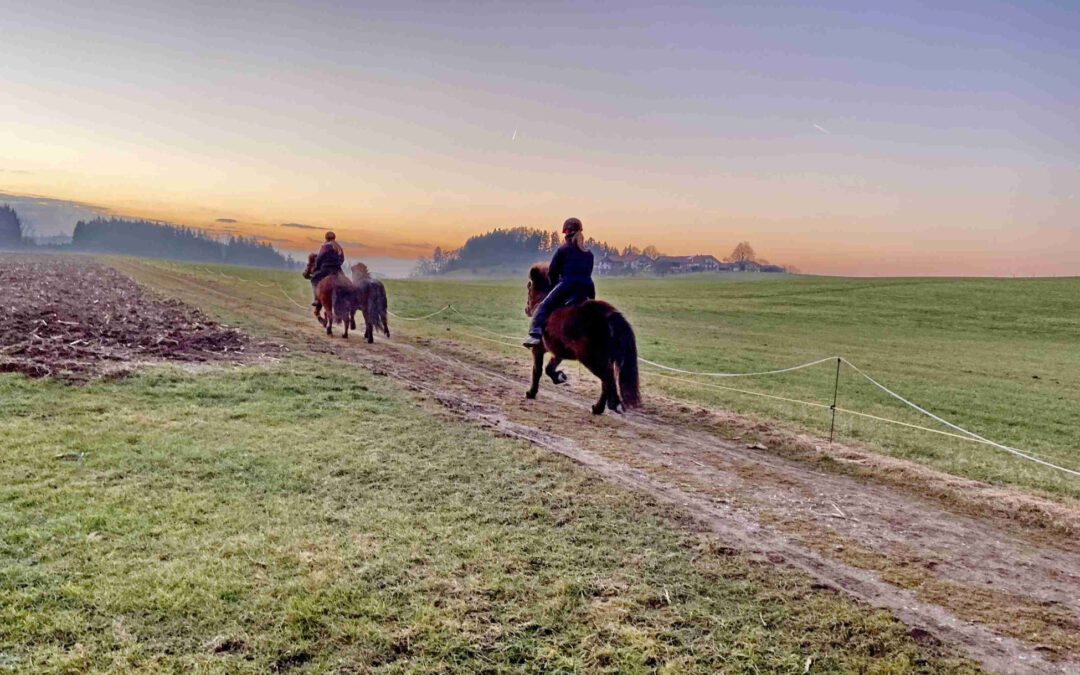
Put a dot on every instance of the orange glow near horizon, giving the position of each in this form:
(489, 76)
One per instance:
(856, 252)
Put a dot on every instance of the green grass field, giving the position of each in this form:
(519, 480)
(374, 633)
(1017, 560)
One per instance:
(999, 357)
(231, 520)
(304, 516)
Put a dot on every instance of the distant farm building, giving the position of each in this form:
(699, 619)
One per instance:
(704, 263)
(672, 264)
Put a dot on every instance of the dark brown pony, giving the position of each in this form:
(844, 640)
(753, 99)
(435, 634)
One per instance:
(594, 333)
(333, 293)
(368, 296)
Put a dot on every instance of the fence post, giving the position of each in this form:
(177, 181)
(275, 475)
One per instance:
(449, 308)
(836, 388)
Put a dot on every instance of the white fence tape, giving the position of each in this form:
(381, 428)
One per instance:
(486, 330)
(955, 427)
(419, 318)
(742, 391)
(829, 359)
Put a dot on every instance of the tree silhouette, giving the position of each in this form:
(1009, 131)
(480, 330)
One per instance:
(11, 229)
(743, 253)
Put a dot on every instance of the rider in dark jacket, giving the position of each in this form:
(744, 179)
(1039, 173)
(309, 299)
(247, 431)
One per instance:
(329, 261)
(571, 277)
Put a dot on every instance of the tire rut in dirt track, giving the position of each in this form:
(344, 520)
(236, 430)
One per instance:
(776, 489)
(964, 580)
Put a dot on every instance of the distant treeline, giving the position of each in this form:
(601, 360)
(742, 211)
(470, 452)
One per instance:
(509, 249)
(150, 240)
(513, 250)
(158, 240)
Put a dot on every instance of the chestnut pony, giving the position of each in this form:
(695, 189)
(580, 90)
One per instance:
(341, 298)
(333, 293)
(594, 333)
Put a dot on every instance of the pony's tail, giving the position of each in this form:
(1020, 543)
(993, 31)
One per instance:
(343, 304)
(377, 307)
(624, 356)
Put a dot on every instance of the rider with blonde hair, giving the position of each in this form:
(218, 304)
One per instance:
(570, 273)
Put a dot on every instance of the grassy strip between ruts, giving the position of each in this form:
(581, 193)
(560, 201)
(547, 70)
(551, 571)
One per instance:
(299, 516)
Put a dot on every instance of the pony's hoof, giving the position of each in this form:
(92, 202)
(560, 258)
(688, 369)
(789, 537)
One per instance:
(598, 410)
(560, 377)
(530, 394)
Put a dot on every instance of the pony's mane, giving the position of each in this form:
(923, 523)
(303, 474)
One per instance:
(538, 274)
(360, 272)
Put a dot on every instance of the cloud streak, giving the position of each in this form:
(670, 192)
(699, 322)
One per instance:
(353, 244)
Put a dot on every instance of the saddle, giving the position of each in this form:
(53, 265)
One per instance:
(320, 274)
(575, 300)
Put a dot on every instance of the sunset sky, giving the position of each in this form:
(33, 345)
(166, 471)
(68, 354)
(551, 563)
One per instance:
(941, 139)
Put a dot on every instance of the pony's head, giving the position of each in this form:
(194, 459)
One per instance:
(360, 272)
(310, 269)
(538, 287)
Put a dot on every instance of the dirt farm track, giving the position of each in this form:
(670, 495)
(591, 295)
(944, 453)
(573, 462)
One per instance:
(991, 572)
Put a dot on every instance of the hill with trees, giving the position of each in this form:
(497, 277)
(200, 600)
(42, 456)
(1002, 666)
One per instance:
(158, 240)
(147, 239)
(513, 250)
(508, 250)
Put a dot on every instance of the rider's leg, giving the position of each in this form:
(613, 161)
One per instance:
(554, 299)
